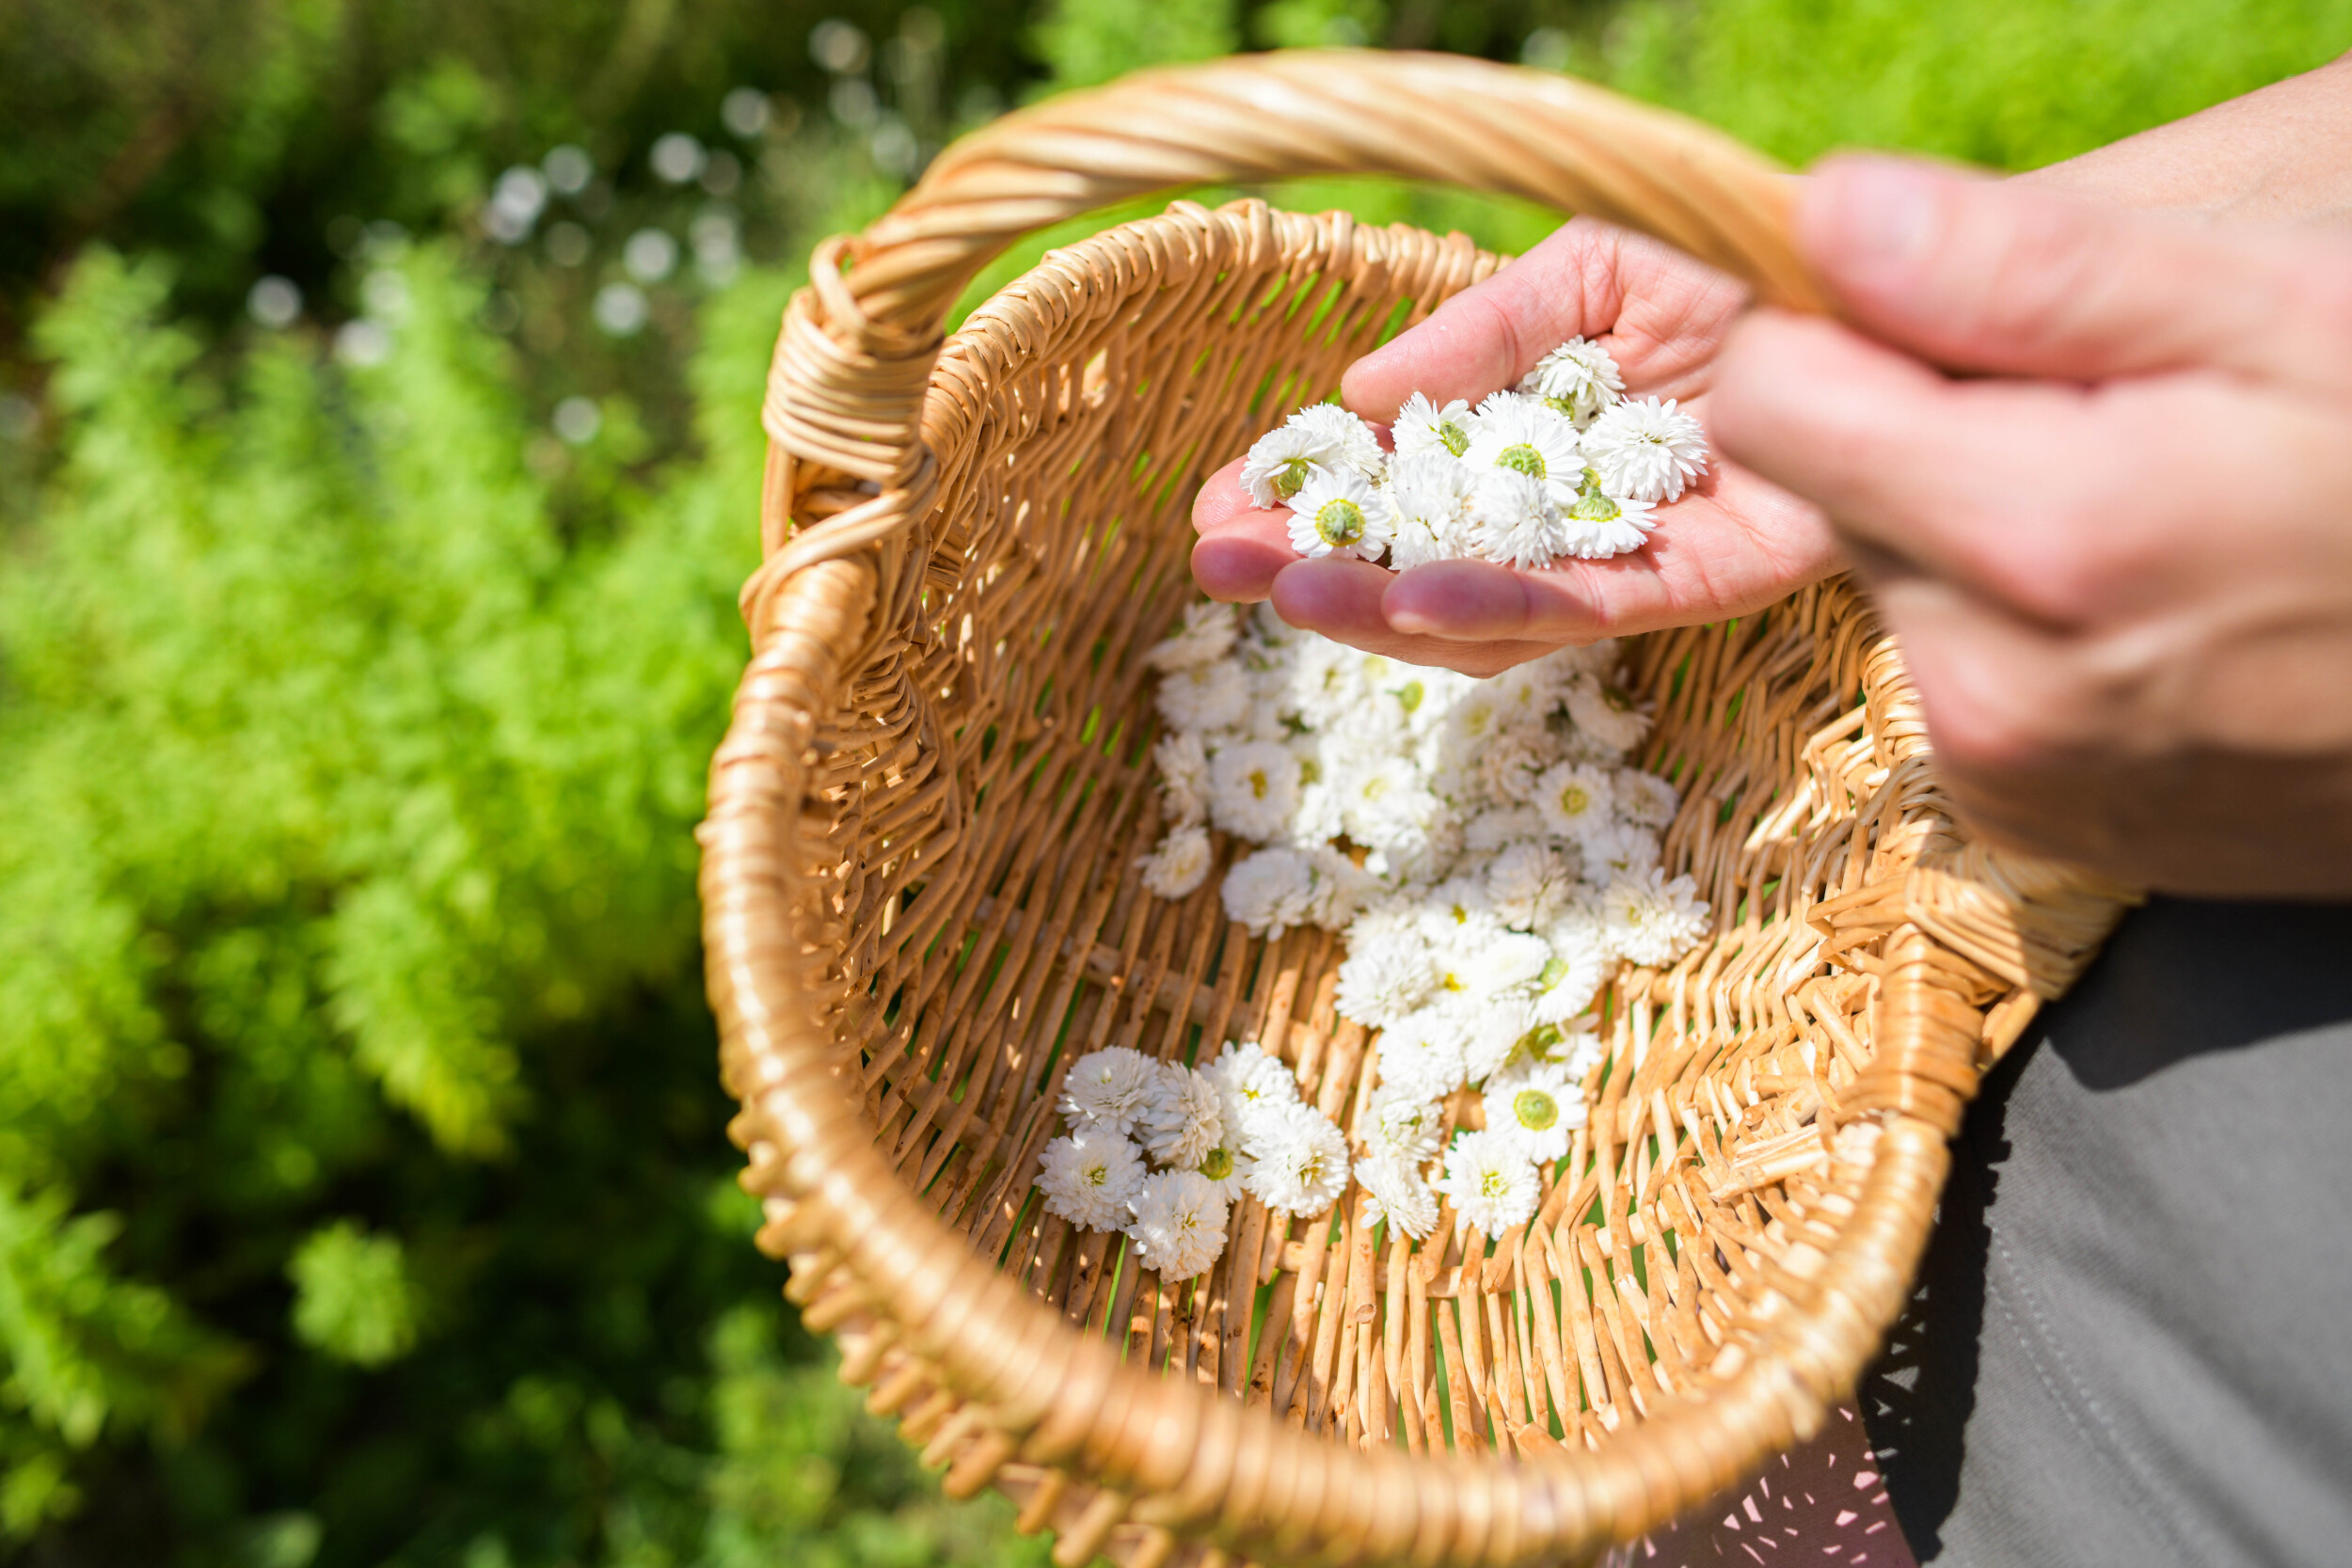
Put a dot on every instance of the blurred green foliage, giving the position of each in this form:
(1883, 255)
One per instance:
(378, 459)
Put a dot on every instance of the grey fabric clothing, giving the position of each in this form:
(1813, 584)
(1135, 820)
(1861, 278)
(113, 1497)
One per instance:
(2131, 1342)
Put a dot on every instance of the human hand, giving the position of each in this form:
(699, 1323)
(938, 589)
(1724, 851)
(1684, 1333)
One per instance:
(2122, 572)
(1733, 543)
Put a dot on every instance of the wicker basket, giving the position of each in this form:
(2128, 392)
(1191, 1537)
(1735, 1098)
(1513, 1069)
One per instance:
(921, 899)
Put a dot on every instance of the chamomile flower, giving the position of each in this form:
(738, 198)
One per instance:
(1349, 438)
(1179, 1225)
(1421, 426)
(1421, 1057)
(1495, 1027)
(1271, 891)
(1530, 883)
(1090, 1176)
(1598, 524)
(1509, 961)
(1619, 851)
(1536, 1105)
(1250, 1083)
(1280, 462)
(1644, 799)
(1514, 522)
(1337, 514)
(1204, 697)
(1225, 1167)
(1522, 437)
(1181, 763)
(1428, 496)
(1301, 1160)
(1607, 712)
(1178, 864)
(1394, 1192)
(1652, 921)
(1647, 449)
(1575, 799)
(1108, 1088)
(1253, 789)
(1494, 1187)
(1578, 379)
(1385, 976)
(1208, 634)
(1579, 962)
(1401, 1124)
(1183, 1116)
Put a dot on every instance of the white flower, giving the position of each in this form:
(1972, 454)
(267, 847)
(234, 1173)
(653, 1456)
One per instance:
(1182, 763)
(1250, 1084)
(1421, 1056)
(1337, 514)
(1183, 1116)
(1428, 496)
(1652, 921)
(1206, 697)
(1401, 1124)
(1497, 1025)
(1337, 888)
(1108, 1086)
(1090, 1176)
(1514, 522)
(1225, 1167)
(1579, 962)
(1178, 864)
(1598, 524)
(1282, 460)
(1270, 892)
(1394, 1192)
(1645, 799)
(1607, 712)
(1619, 850)
(1507, 767)
(1509, 961)
(1503, 826)
(1536, 1104)
(1253, 789)
(1578, 379)
(1530, 883)
(1384, 976)
(1421, 426)
(1575, 799)
(1520, 434)
(1179, 1227)
(1301, 1160)
(1208, 634)
(1494, 1187)
(1647, 449)
(1352, 441)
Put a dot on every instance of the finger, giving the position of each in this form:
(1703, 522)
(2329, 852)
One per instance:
(1238, 562)
(1221, 499)
(1340, 599)
(1982, 275)
(1491, 334)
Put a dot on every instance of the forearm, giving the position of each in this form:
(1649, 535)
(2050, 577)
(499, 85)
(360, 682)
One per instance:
(2280, 154)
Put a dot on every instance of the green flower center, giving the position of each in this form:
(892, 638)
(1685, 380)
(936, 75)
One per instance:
(1339, 522)
(1411, 695)
(1290, 476)
(1565, 407)
(1097, 1174)
(1594, 507)
(1453, 437)
(1522, 459)
(1618, 697)
(1218, 1165)
(1534, 1110)
(1575, 800)
(1494, 1183)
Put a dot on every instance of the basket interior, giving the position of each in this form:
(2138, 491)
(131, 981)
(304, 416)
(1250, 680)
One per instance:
(988, 780)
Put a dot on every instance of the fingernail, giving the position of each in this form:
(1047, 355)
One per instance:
(1885, 214)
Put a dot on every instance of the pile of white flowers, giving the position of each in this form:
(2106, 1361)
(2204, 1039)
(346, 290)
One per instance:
(1481, 845)
(1565, 466)
(1239, 1126)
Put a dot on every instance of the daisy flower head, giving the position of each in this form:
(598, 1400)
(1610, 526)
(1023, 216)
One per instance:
(1507, 769)
(1250, 1082)
(1514, 522)
(1183, 1116)
(1384, 976)
(1302, 1163)
(1090, 1176)
(1520, 434)
(1647, 449)
(1203, 697)
(1536, 1104)
(1337, 514)
(1499, 827)
(1576, 799)
(1645, 799)
(1253, 789)
(1401, 1124)
(1108, 1088)
(1578, 379)
(1619, 851)
(1336, 888)
(1508, 962)
(1179, 1225)
(1421, 426)
(1178, 864)
(1180, 762)
(1353, 444)
(1598, 525)
(1427, 497)
(1394, 1192)
(1530, 883)
(1652, 921)
(1606, 712)
(1207, 634)
(1580, 962)
(1497, 1026)
(1494, 1187)
(1225, 1167)
(1420, 1060)
(1281, 461)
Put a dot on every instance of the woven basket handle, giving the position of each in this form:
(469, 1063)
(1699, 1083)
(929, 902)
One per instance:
(845, 391)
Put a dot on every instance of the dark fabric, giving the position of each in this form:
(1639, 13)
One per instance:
(2131, 1342)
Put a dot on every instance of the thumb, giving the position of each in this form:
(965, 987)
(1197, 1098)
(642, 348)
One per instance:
(1978, 275)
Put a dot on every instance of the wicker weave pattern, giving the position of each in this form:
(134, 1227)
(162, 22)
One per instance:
(921, 899)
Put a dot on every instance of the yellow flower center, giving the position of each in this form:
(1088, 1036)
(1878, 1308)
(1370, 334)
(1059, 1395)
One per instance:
(1534, 1110)
(1339, 522)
